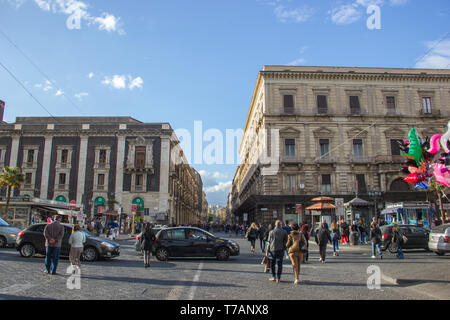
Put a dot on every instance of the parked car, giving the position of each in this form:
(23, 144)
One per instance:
(417, 237)
(137, 244)
(440, 239)
(31, 241)
(192, 242)
(8, 234)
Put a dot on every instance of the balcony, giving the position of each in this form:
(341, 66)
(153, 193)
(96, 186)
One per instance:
(432, 113)
(390, 159)
(357, 159)
(292, 160)
(62, 187)
(325, 160)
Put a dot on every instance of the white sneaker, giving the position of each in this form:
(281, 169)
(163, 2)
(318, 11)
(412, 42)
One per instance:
(296, 282)
(373, 257)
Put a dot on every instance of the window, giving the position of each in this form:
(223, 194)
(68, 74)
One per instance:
(326, 183)
(64, 156)
(30, 156)
(139, 180)
(426, 103)
(102, 156)
(390, 103)
(140, 157)
(176, 234)
(291, 182)
(62, 178)
(357, 149)
(101, 179)
(289, 145)
(324, 148)
(288, 100)
(395, 148)
(28, 178)
(361, 183)
(355, 108)
(322, 106)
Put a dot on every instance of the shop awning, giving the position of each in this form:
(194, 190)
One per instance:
(358, 202)
(322, 206)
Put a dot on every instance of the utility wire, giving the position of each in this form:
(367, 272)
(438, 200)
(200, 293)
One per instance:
(434, 46)
(40, 70)
(25, 88)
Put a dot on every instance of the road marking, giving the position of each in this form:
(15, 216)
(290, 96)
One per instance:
(196, 278)
(16, 288)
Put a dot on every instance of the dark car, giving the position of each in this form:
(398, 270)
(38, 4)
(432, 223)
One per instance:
(31, 241)
(192, 242)
(417, 237)
(137, 244)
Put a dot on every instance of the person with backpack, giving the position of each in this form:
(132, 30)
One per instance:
(375, 238)
(251, 235)
(147, 241)
(322, 239)
(399, 240)
(296, 245)
(275, 249)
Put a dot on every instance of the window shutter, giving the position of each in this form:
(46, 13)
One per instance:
(288, 103)
(322, 106)
(354, 105)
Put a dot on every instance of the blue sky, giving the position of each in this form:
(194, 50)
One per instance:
(182, 61)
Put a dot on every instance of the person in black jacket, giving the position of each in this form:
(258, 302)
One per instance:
(322, 239)
(261, 234)
(305, 230)
(147, 240)
(375, 238)
(397, 238)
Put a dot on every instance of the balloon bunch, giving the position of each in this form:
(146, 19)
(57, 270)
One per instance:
(426, 158)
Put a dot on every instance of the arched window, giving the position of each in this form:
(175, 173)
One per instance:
(399, 185)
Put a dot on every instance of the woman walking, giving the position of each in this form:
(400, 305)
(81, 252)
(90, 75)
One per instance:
(148, 238)
(76, 241)
(375, 238)
(251, 235)
(296, 245)
(305, 231)
(335, 236)
(398, 240)
(322, 239)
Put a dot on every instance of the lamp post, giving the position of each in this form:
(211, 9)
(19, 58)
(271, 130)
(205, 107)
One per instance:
(375, 194)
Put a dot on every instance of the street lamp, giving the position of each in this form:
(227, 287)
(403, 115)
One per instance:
(375, 194)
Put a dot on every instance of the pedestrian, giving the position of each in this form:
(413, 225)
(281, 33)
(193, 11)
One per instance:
(251, 235)
(362, 232)
(399, 239)
(147, 240)
(375, 238)
(261, 232)
(98, 227)
(268, 264)
(305, 230)
(77, 240)
(344, 232)
(296, 245)
(354, 233)
(322, 239)
(335, 236)
(53, 234)
(288, 230)
(275, 250)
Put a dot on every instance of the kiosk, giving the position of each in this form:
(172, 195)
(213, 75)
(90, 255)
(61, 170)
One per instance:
(415, 213)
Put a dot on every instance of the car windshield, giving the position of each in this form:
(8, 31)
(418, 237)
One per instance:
(87, 234)
(3, 223)
(441, 228)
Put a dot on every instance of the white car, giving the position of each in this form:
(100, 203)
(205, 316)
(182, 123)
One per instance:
(439, 240)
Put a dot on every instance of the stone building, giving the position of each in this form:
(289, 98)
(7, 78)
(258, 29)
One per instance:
(332, 131)
(92, 160)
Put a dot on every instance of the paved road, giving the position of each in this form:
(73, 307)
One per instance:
(344, 277)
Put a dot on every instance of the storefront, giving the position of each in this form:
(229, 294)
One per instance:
(415, 213)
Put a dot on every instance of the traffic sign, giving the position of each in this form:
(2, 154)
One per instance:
(72, 204)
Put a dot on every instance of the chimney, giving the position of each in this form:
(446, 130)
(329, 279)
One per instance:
(2, 109)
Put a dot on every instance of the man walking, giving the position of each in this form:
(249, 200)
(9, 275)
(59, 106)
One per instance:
(53, 234)
(275, 250)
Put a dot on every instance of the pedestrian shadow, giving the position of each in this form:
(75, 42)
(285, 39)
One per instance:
(162, 282)
(414, 282)
(13, 298)
(339, 284)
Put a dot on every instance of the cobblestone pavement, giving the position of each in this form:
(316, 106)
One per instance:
(344, 277)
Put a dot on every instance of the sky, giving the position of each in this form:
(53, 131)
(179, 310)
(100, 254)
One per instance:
(194, 63)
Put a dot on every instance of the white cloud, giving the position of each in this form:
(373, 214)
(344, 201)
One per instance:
(81, 95)
(135, 83)
(108, 22)
(296, 15)
(59, 93)
(345, 14)
(438, 56)
(46, 86)
(122, 82)
(91, 75)
(220, 187)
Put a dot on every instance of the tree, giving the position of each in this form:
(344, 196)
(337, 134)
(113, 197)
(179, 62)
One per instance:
(439, 190)
(111, 204)
(11, 178)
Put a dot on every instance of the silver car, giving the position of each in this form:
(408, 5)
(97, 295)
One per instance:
(8, 234)
(439, 240)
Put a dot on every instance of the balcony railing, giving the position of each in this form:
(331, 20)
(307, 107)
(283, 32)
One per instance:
(389, 159)
(291, 159)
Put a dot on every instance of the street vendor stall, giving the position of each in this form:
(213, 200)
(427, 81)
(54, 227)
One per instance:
(322, 209)
(415, 213)
(358, 209)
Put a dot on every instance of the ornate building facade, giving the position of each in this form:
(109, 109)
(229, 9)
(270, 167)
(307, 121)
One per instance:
(313, 131)
(92, 160)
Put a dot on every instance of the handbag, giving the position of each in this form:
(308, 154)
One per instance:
(405, 239)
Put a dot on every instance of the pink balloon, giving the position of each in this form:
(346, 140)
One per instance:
(442, 174)
(435, 143)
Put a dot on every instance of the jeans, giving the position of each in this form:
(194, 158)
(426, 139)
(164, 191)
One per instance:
(363, 237)
(335, 245)
(262, 243)
(277, 260)
(378, 247)
(323, 251)
(400, 253)
(51, 259)
(147, 255)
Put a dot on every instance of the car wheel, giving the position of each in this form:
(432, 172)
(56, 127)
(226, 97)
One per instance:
(393, 248)
(439, 253)
(90, 254)
(3, 242)
(222, 254)
(162, 254)
(27, 250)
